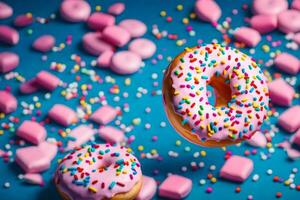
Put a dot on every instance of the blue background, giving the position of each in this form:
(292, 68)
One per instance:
(147, 11)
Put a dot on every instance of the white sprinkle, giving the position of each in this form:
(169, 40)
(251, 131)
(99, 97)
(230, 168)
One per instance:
(255, 177)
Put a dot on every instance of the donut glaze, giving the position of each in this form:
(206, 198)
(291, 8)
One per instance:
(97, 172)
(241, 95)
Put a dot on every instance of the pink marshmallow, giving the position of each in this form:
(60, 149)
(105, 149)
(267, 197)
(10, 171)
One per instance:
(94, 44)
(296, 4)
(292, 153)
(29, 87)
(104, 115)
(23, 20)
(75, 10)
(277, 96)
(269, 7)
(32, 178)
(111, 135)
(296, 38)
(104, 60)
(264, 23)
(126, 62)
(5, 10)
(289, 119)
(287, 63)
(8, 103)
(288, 21)
(116, 35)
(175, 187)
(237, 168)
(47, 80)
(80, 135)
(35, 159)
(208, 10)
(62, 114)
(116, 8)
(143, 47)
(9, 35)
(148, 189)
(8, 61)
(258, 140)
(44, 43)
(135, 27)
(32, 132)
(296, 138)
(248, 36)
(99, 20)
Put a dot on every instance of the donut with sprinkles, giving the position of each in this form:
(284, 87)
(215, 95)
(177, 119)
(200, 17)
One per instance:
(99, 171)
(241, 95)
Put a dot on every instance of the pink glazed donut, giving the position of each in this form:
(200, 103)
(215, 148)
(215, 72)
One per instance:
(99, 171)
(241, 102)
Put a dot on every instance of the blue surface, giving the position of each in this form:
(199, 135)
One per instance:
(147, 11)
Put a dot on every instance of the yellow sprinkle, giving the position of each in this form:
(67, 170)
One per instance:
(179, 7)
(188, 49)
(203, 153)
(193, 15)
(269, 145)
(213, 180)
(178, 142)
(98, 8)
(185, 20)
(163, 13)
(140, 148)
(92, 189)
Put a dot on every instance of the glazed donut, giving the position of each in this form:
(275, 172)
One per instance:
(241, 92)
(99, 171)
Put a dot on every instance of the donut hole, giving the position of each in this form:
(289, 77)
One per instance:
(106, 163)
(220, 87)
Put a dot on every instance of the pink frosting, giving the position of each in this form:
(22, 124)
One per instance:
(245, 111)
(97, 171)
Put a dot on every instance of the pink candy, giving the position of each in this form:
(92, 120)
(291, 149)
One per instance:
(8, 61)
(32, 178)
(104, 59)
(116, 8)
(23, 20)
(29, 87)
(46, 80)
(143, 47)
(75, 10)
(79, 135)
(296, 4)
(258, 140)
(289, 119)
(287, 63)
(5, 10)
(264, 23)
(94, 44)
(269, 7)
(8, 103)
(296, 38)
(135, 27)
(289, 21)
(99, 20)
(35, 159)
(148, 189)
(104, 115)
(126, 62)
(8, 35)
(248, 36)
(62, 114)
(208, 10)
(175, 187)
(237, 168)
(44, 43)
(112, 135)
(296, 138)
(116, 35)
(277, 96)
(32, 132)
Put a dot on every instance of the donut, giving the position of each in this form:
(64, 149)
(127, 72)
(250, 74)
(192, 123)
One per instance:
(99, 171)
(241, 102)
